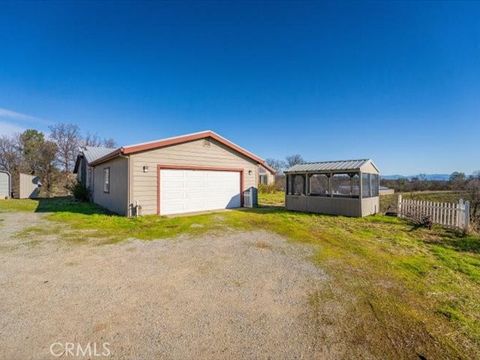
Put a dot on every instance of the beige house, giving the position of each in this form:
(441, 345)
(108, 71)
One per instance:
(345, 187)
(195, 172)
(265, 175)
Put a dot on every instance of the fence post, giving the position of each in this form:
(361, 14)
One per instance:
(467, 215)
(399, 205)
(461, 214)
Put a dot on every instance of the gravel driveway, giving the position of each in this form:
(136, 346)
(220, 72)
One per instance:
(237, 295)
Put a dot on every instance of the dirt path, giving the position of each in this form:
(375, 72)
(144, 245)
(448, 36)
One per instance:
(241, 295)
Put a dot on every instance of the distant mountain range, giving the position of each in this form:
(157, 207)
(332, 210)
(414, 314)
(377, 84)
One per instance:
(438, 177)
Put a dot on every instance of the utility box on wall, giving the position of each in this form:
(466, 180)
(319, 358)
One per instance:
(250, 198)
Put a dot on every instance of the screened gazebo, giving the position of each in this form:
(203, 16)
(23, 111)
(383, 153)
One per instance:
(345, 187)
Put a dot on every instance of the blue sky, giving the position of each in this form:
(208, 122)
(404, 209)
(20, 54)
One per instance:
(396, 82)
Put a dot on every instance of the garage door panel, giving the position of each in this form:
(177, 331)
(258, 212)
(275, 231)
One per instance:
(184, 191)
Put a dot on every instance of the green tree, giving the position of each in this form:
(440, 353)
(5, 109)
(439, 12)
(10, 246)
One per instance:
(46, 169)
(31, 142)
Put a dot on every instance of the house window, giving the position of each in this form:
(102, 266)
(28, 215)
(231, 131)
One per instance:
(106, 180)
(263, 179)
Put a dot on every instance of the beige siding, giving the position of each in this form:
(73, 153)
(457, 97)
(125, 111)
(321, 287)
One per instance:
(333, 206)
(369, 168)
(324, 205)
(370, 206)
(117, 199)
(28, 186)
(205, 152)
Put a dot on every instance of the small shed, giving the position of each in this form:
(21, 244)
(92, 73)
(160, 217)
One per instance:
(5, 184)
(345, 187)
(29, 186)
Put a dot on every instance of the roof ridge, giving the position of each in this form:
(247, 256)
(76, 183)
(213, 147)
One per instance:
(331, 161)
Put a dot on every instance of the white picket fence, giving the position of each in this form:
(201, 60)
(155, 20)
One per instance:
(455, 215)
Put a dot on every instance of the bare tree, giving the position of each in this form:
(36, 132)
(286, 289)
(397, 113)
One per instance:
(68, 139)
(92, 140)
(294, 160)
(278, 165)
(473, 190)
(10, 156)
(109, 143)
(457, 180)
(96, 141)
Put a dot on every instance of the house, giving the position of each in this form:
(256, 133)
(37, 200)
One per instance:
(83, 169)
(345, 187)
(265, 176)
(195, 172)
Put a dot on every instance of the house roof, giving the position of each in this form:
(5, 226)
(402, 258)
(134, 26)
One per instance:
(92, 153)
(157, 144)
(331, 166)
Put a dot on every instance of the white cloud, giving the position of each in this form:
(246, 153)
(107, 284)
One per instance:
(6, 114)
(9, 129)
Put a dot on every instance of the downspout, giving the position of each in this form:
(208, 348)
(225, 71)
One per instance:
(129, 208)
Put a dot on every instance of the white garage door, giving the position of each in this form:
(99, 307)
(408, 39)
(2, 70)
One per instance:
(183, 191)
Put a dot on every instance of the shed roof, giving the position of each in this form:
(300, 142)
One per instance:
(332, 166)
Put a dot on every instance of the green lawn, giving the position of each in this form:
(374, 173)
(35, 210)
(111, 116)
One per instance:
(408, 291)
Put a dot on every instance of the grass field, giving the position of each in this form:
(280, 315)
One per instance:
(386, 202)
(410, 291)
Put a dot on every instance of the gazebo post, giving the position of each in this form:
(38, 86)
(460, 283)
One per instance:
(330, 184)
(361, 185)
(360, 197)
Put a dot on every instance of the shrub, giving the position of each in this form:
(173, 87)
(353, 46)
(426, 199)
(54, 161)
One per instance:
(267, 189)
(80, 192)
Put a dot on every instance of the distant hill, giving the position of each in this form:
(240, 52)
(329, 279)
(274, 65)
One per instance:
(438, 177)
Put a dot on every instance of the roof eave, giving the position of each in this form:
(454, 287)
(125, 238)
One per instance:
(133, 149)
(332, 171)
(107, 157)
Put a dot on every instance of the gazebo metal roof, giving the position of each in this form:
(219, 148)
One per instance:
(327, 166)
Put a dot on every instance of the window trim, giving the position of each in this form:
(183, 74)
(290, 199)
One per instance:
(106, 185)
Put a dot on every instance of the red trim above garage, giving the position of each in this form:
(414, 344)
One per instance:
(200, 168)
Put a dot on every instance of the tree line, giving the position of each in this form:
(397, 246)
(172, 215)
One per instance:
(49, 156)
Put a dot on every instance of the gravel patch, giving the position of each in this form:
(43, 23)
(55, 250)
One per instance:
(237, 295)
